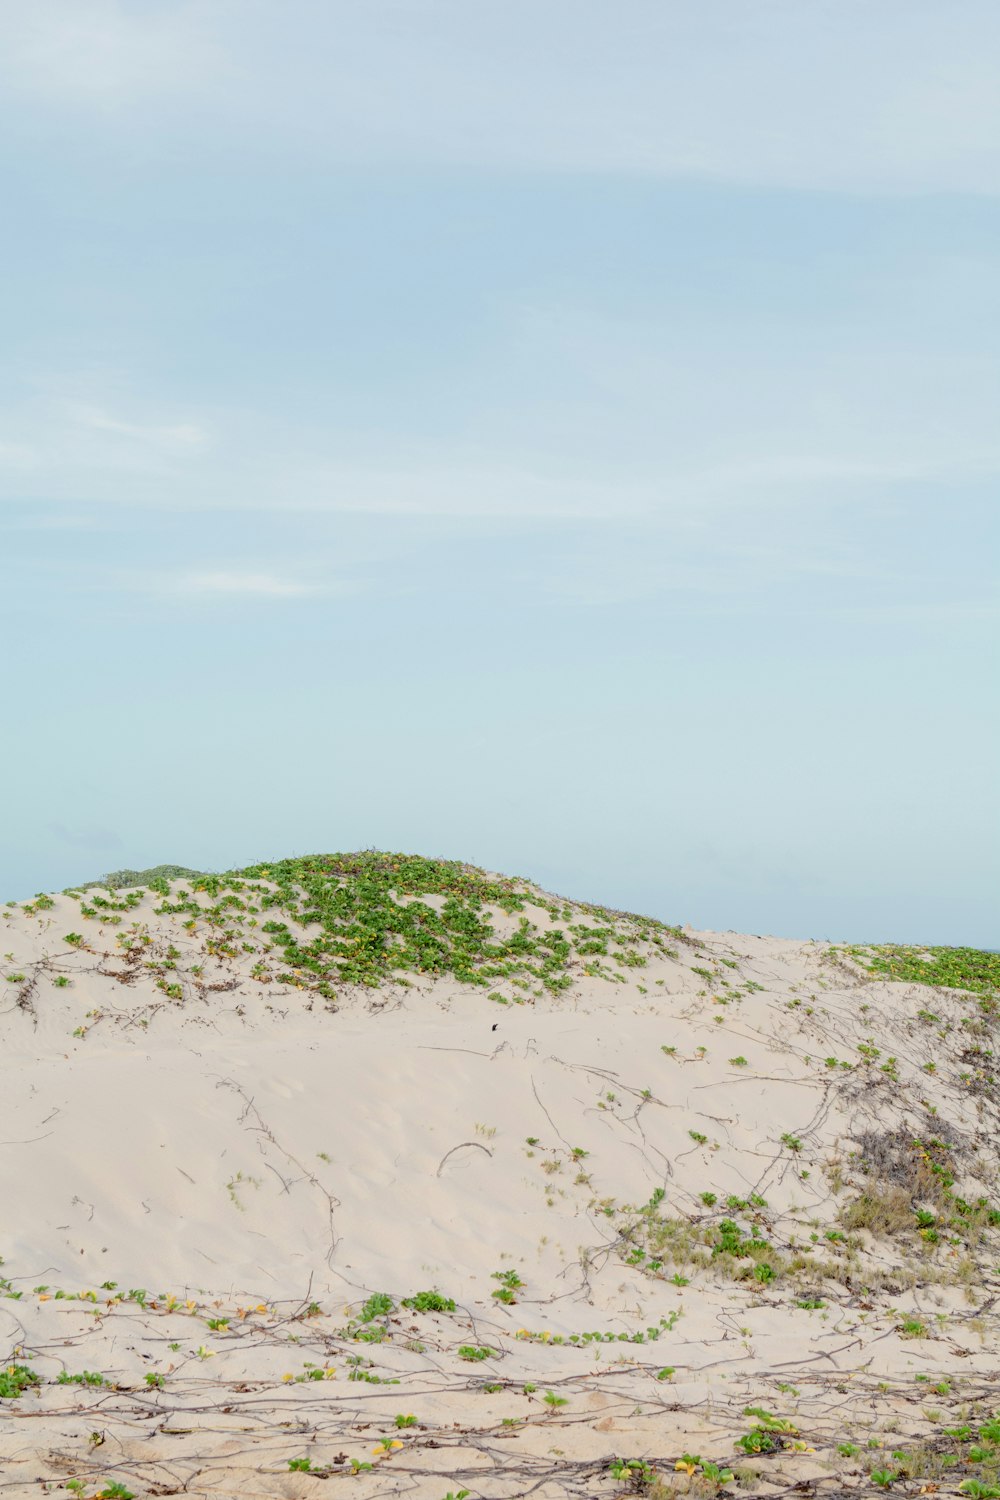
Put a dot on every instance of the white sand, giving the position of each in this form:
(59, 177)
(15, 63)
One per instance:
(249, 1152)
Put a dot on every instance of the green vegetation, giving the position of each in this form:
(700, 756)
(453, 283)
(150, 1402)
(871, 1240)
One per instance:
(510, 1284)
(974, 1450)
(428, 1302)
(904, 1173)
(15, 1379)
(955, 968)
(119, 880)
(378, 1305)
(362, 918)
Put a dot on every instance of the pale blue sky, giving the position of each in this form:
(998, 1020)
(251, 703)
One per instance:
(556, 434)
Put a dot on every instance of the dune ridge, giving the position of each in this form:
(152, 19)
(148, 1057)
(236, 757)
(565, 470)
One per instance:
(378, 1170)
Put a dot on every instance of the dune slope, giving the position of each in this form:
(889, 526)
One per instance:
(379, 1171)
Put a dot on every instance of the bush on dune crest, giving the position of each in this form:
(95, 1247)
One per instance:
(375, 921)
(120, 880)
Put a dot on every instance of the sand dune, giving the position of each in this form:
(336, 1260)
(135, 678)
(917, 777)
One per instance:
(632, 1180)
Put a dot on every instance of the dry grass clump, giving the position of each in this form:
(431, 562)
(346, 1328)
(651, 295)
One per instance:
(903, 1172)
(884, 1209)
(919, 1169)
(678, 1242)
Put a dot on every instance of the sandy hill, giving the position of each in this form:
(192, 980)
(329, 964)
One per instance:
(384, 1173)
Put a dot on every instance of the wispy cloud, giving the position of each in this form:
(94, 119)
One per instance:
(458, 489)
(106, 54)
(63, 442)
(761, 437)
(244, 585)
(895, 97)
(182, 435)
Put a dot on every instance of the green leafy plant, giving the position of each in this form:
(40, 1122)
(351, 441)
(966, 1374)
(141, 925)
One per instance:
(635, 1472)
(15, 1380)
(758, 1440)
(510, 1285)
(378, 1305)
(884, 1477)
(428, 1302)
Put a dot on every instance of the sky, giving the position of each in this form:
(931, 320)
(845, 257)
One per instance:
(552, 434)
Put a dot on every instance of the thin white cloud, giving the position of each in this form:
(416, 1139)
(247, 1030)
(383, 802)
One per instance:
(902, 96)
(605, 420)
(463, 490)
(106, 54)
(70, 446)
(182, 435)
(247, 585)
